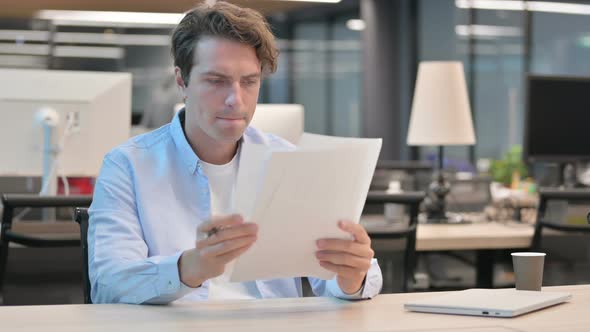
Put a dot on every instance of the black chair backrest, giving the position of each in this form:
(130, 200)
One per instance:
(471, 194)
(10, 203)
(543, 221)
(413, 175)
(412, 200)
(81, 218)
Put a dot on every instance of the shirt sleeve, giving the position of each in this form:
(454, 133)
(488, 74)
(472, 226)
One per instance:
(120, 270)
(371, 287)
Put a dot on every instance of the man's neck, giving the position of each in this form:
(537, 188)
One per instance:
(208, 149)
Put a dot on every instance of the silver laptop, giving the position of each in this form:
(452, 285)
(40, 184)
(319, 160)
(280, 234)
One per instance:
(488, 302)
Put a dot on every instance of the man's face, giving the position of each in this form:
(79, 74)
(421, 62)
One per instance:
(223, 88)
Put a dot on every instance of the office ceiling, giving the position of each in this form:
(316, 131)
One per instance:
(27, 8)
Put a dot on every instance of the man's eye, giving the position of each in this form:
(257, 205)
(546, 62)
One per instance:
(250, 82)
(215, 81)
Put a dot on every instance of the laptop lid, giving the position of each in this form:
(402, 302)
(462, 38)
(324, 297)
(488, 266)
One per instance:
(488, 302)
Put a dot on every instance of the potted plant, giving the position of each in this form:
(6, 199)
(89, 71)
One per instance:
(510, 169)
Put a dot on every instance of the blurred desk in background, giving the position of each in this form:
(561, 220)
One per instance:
(484, 238)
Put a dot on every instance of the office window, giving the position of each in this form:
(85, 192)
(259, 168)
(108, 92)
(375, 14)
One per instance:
(561, 43)
(310, 73)
(490, 43)
(346, 82)
(498, 90)
(440, 38)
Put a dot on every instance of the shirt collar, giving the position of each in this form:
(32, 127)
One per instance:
(187, 154)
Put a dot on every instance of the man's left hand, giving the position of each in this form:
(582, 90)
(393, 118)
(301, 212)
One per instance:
(349, 259)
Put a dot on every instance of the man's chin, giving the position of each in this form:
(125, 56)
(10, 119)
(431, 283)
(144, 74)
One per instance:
(230, 136)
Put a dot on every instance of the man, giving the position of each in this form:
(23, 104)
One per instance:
(156, 189)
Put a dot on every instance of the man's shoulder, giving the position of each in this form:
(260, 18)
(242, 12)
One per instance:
(256, 136)
(142, 144)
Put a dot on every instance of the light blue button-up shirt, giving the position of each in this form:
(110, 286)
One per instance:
(149, 198)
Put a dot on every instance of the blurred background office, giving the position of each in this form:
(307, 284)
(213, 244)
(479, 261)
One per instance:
(326, 50)
(352, 64)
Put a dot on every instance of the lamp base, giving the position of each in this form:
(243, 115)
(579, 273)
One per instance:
(435, 203)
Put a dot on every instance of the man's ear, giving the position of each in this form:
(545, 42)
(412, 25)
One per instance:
(180, 81)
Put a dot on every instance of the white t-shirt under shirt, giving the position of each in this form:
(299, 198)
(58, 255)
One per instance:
(222, 181)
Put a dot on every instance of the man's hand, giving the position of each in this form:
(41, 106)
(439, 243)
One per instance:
(350, 259)
(229, 237)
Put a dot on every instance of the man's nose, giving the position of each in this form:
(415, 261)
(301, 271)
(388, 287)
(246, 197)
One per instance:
(234, 98)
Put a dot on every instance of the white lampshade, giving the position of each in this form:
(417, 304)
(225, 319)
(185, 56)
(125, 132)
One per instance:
(440, 111)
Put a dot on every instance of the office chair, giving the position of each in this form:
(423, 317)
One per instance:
(7, 235)
(412, 201)
(568, 195)
(81, 218)
(470, 194)
(561, 216)
(414, 175)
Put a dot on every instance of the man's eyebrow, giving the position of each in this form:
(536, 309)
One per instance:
(253, 75)
(219, 74)
(214, 73)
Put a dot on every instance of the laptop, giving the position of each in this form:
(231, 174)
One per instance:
(488, 302)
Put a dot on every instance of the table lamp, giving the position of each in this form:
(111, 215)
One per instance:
(440, 116)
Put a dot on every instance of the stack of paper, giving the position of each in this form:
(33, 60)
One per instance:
(297, 197)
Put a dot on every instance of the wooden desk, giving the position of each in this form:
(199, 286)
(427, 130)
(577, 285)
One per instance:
(383, 313)
(484, 238)
(492, 235)
(49, 230)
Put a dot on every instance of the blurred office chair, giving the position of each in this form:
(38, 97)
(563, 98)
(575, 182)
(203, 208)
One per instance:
(558, 220)
(382, 229)
(561, 219)
(81, 218)
(413, 175)
(470, 194)
(8, 235)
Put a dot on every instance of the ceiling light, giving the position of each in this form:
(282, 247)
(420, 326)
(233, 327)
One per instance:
(490, 4)
(487, 31)
(538, 6)
(356, 24)
(558, 7)
(79, 17)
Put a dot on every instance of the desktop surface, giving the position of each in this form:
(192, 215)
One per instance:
(383, 313)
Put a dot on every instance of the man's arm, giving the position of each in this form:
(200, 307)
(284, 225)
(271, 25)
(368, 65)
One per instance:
(371, 287)
(357, 273)
(119, 268)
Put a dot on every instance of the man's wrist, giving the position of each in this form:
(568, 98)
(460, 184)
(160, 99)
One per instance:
(358, 289)
(185, 274)
(347, 290)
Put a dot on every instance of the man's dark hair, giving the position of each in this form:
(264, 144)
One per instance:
(223, 20)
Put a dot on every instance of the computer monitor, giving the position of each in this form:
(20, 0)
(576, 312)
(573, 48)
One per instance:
(100, 103)
(283, 120)
(557, 119)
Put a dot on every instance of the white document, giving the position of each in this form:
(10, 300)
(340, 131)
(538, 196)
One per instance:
(297, 197)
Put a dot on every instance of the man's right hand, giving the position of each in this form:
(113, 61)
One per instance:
(231, 238)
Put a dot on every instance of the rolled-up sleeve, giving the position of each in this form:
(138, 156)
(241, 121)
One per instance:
(120, 270)
(371, 287)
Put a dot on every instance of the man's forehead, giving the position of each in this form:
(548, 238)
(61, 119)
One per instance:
(226, 57)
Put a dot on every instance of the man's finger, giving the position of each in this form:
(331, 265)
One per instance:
(218, 222)
(343, 271)
(229, 256)
(227, 246)
(357, 230)
(349, 246)
(340, 258)
(229, 233)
